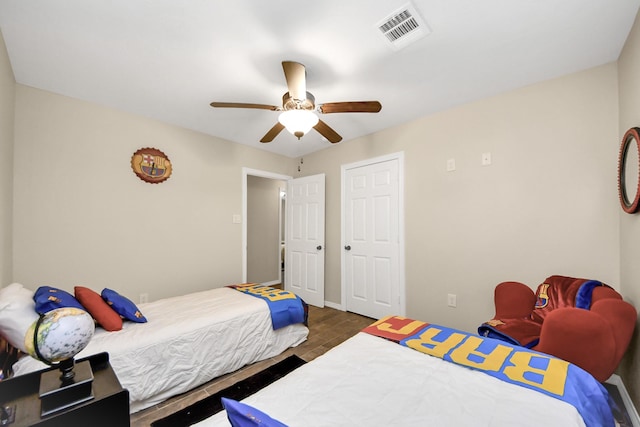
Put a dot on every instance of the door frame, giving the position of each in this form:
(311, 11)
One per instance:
(401, 253)
(262, 174)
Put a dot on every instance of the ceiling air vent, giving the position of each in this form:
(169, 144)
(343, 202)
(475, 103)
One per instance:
(403, 27)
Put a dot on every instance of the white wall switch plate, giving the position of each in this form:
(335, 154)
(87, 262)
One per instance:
(452, 300)
(451, 165)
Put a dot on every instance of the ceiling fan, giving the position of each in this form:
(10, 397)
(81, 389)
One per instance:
(298, 107)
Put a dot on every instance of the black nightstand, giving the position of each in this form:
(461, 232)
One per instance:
(108, 408)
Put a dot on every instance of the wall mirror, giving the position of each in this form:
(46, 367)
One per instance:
(629, 171)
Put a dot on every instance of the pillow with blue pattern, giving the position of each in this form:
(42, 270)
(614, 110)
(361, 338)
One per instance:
(243, 415)
(48, 298)
(123, 306)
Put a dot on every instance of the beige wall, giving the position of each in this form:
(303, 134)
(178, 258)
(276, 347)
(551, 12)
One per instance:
(629, 78)
(7, 98)
(83, 218)
(263, 228)
(547, 205)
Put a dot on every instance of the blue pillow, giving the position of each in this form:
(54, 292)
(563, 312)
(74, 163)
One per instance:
(123, 306)
(48, 298)
(243, 415)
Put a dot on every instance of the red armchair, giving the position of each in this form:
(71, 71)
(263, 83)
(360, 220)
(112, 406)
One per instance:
(582, 321)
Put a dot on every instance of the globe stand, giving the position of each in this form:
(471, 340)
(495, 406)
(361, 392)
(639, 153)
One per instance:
(62, 391)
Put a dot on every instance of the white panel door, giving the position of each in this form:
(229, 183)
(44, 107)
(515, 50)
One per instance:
(372, 239)
(304, 248)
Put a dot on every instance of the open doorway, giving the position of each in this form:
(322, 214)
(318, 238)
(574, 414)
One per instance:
(264, 198)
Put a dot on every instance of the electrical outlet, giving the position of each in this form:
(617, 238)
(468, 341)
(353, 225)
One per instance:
(452, 300)
(486, 159)
(144, 298)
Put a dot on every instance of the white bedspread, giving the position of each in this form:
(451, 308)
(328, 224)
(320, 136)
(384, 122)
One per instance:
(368, 381)
(187, 341)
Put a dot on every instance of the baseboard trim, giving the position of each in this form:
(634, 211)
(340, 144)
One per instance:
(626, 399)
(271, 283)
(336, 306)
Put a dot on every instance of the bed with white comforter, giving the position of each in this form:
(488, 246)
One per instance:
(370, 381)
(187, 341)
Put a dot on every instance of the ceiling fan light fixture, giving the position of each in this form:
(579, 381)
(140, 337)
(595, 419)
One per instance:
(298, 122)
(298, 115)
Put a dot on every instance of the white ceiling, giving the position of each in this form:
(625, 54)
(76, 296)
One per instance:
(168, 59)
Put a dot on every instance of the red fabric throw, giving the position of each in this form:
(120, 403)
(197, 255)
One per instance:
(556, 292)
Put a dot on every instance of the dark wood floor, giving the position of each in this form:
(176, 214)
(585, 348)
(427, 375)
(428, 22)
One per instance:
(327, 328)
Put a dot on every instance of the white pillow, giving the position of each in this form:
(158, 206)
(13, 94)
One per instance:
(17, 314)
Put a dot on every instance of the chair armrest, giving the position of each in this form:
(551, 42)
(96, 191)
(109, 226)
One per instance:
(622, 317)
(513, 300)
(582, 337)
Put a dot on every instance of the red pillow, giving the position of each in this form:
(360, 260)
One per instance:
(99, 310)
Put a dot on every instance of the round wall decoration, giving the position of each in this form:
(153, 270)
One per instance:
(629, 171)
(151, 165)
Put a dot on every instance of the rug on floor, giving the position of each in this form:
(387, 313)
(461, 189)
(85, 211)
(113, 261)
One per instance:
(212, 404)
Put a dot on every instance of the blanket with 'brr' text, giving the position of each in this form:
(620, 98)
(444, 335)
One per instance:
(286, 307)
(511, 363)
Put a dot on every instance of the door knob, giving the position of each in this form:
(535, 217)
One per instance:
(348, 248)
(319, 247)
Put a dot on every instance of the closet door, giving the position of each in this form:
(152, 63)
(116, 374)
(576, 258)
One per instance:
(372, 237)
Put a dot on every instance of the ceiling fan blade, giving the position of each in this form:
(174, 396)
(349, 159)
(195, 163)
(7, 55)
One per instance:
(326, 131)
(244, 105)
(351, 107)
(273, 132)
(296, 77)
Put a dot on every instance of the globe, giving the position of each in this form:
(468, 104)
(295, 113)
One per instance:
(61, 334)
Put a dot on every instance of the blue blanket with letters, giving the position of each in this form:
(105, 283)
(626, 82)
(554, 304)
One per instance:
(286, 307)
(511, 363)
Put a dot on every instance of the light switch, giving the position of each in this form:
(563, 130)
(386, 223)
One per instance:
(237, 219)
(451, 165)
(452, 300)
